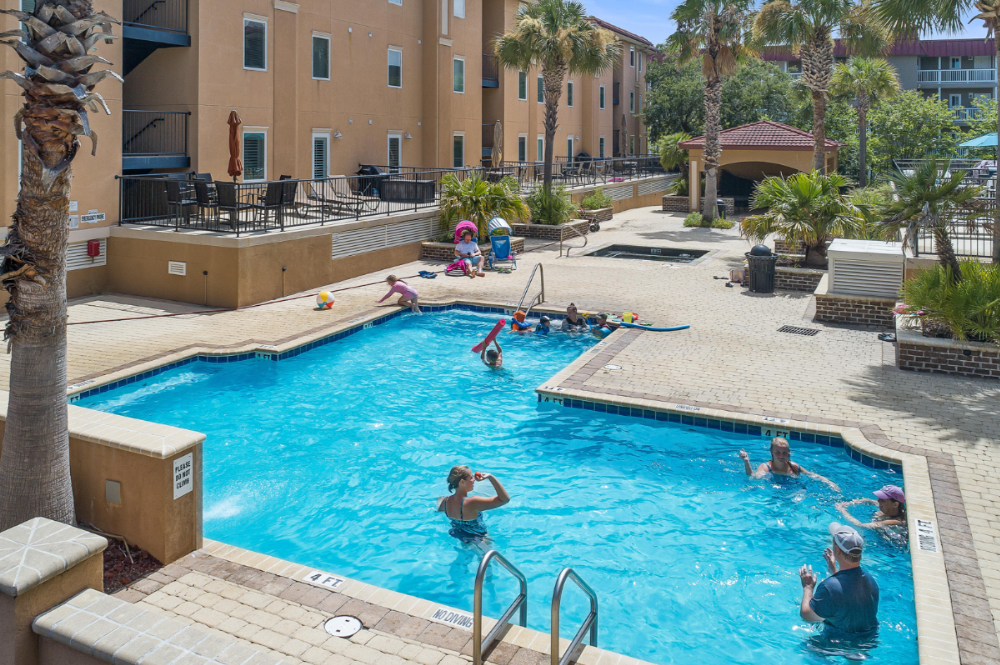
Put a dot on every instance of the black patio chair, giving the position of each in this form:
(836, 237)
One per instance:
(229, 201)
(207, 199)
(288, 189)
(272, 200)
(179, 201)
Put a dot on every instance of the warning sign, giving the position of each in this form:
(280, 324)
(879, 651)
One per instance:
(183, 475)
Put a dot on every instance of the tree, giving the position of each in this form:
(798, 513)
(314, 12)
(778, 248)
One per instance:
(910, 126)
(556, 36)
(808, 26)
(55, 41)
(479, 201)
(863, 80)
(711, 31)
(807, 208)
(672, 156)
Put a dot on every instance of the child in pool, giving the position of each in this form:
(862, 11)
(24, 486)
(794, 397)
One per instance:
(492, 358)
(518, 324)
(543, 326)
(407, 294)
(603, 327)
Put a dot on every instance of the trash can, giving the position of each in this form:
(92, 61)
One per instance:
(761, 264)
(721, 207)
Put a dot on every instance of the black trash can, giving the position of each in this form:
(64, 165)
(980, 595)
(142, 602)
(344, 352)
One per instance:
(760, 272)
(721, 207)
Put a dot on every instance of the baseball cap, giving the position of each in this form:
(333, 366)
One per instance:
(545, 319)
(891, 492)
(846, 538)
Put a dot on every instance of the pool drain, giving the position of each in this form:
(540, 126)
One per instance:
(343, 626)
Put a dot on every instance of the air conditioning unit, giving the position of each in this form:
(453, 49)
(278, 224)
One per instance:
(866, 268)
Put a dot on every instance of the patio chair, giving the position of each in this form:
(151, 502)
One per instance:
(271, 201)
(229, 201)
(363, 202)
(179, 201)
(288, 189)
(500, 252)
(331, 198)
(207, 199)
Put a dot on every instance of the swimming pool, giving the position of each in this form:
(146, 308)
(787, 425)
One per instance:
(334, 459)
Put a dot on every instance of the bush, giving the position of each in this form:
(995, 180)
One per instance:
(970, 309)
(554, 207)
(694, 219)
(595, 201)
(719, 223)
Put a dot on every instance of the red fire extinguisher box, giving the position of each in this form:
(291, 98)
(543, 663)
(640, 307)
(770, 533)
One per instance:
(93, 248)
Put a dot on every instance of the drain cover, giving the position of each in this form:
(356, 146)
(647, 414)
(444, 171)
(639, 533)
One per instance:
(343, 626)
(792, 330)
(612, 367)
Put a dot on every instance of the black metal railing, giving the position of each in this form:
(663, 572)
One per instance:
(580, 172)
(155, 132)
(617, 88)
(189, 201)
(491, 71)
(969, 239)
(160, 14)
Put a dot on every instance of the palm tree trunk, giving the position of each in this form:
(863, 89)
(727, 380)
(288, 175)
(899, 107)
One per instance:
(819, 131)
(817, 70)
(862, 142)
(553, 79)
(713, 109)
(945, 252)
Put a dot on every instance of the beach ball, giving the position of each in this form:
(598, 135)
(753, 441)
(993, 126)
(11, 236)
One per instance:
(325, 300)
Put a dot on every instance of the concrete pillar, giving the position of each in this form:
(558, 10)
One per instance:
(694, 185)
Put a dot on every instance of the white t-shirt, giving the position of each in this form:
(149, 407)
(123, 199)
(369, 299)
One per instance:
(467, 248)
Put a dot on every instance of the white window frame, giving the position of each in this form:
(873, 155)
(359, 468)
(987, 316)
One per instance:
(603, 98)
(956, 62)
(952, 97)
(329, 55)
(631, 56)
(540, 148)
(454, 136)
(455, 5)
(569, 149)
(631, 101)
(254, 130)
(320, 135)
(388, 149)
(520, 75)
(461, 59)
(394, 49)
(600, 148)
(254, 19)
(541, 89)
(398, 3)
(570, 96)
(640, 61)
(522, 140)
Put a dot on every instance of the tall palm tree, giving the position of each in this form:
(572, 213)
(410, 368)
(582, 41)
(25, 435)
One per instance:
(808, 26)
(713, 31)
(863, 80)
(556, 36)
(55, 41)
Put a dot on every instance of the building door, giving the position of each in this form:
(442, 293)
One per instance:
(321, 155)
(569, 149)
(955, 101)
(394, 150)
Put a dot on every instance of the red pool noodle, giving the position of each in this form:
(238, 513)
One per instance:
(489, 338)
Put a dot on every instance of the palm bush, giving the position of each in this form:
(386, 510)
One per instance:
(597, 200)
(872, 202)
(672, 156)
(479, 201)
(551, 207)
(969, 308)
(807, 208)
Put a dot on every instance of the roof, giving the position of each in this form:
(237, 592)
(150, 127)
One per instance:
(621, 31)
(763, 134)
(928, 48)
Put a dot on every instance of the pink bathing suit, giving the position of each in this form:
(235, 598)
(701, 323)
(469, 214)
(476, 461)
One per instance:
(402, 289)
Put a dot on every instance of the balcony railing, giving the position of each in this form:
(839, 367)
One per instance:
(957, 76)
(580, 172)
(491, 72)
(169, 15)
(964, 114)
(155, 140)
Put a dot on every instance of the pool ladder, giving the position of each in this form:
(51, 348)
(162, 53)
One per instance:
(539, 297)
(571, 247)
(479, 645)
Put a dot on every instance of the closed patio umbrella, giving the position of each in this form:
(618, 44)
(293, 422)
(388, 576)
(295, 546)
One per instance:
(496, 155)
(235, 165)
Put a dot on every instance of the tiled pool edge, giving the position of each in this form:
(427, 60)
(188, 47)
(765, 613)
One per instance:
(954, 621)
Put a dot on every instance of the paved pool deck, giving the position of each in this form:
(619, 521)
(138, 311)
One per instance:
(732, 359)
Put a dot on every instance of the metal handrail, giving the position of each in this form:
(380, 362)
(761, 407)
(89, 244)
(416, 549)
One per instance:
(590, 623)
(521, 602)
(540, 296)
(574, 230)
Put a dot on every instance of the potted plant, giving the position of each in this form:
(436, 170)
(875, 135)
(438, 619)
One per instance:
(596, 207)
(967, 309)
(479, 201)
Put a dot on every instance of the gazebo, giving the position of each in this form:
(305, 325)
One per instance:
(757, 150)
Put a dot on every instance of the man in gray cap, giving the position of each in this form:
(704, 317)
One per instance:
(848, 598)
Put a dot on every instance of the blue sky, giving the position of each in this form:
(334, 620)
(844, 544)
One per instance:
(651, 18)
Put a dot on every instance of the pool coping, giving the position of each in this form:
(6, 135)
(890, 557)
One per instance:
(709, 255)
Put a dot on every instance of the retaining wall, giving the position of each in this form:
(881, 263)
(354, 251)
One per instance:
(797, 279)
(856, 310)
(556, 232)
(683, 205)
(445, 251)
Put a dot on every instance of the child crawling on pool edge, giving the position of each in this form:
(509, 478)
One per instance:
(492, 358)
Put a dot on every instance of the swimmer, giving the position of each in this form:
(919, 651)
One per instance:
(466, 512)
(781, 464)
(573, 321)
(891, 509)
(544, 325)
(492, 358)
(603, 327)
(518, 324)
(407, 294)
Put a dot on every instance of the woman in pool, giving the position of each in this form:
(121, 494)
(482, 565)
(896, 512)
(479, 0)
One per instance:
(466, 512)
(891, 509)
(781, 464)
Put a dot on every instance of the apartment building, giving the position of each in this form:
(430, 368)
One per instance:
(959, 71)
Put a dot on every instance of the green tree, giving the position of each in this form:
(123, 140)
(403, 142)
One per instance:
(556, 36)
(676, 100)
(809, 26)
(983, 121)
(54, 41)
(479, 201)
(910, 126)
(712, 32)
(864, 80)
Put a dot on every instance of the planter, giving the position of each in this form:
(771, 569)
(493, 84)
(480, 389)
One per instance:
(782, 246)
(797, 279)
(917, 353)
(856, 310)
(445, 251)
(599, 215)
(554, 232)
(682, 204)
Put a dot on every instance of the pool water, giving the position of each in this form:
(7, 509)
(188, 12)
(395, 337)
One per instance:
(334, 459)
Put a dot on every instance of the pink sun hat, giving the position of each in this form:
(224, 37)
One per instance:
(891, 492)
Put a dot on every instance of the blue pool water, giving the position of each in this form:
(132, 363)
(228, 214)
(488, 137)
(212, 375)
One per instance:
(334, 459)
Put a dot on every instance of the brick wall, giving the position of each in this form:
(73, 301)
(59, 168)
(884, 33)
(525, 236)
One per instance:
(547, 232)
(860, 311)
(797, 279)
(600, 215)
(683, 204)
(781, 246)
(947, 360)
(445, 251)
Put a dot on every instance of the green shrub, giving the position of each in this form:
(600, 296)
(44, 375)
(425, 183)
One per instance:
(969, 308)
(554, 207)
(595, 201)
(719, 223)
(678, 187)
(694, 219)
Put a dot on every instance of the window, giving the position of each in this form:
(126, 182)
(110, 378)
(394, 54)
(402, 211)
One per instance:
(522, 148)
(569, 94)
(600, 147)
(394, 151)
(459, 8)
(956, 63)
(631, 56)
(396, 2)
(541, 90)
(641, 58)
(254, 44)
(631, 101)
(321, 57)
(395, 68)
(254, 155)
(631, 144)
(458, 151)
(540, 149)
(458, 71)
(602, 97)
(640, 102)
(522, 86)
(954, 101)
(28, 6)
(569, 149)
(321, 155)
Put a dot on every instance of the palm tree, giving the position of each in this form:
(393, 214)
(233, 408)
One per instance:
(556, 36)
(932, 196)
(713, 31)
(55, 41)
(805, 208)
(808, 26)
(672, 156)
(480, 201)
(863, 80)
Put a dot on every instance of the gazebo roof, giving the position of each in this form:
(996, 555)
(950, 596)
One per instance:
(764, 134)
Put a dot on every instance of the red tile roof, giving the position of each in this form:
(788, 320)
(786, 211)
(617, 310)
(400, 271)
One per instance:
(764, 134)
(929, 48)
(621, 31)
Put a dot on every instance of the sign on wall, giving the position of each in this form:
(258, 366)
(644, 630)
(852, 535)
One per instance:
(183, 475)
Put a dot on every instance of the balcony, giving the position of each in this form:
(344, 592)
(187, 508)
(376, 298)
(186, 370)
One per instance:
(154, 140)
(616, 93)
(957, 76)
(963, 114)
(149, 25)
(491, 72)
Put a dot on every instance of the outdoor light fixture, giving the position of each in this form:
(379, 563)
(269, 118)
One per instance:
(350, 30)
(338, 135)
(407, 136)
(369, 121)
(350, 121)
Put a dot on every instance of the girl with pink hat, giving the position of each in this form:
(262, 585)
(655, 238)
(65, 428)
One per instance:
(891, 511)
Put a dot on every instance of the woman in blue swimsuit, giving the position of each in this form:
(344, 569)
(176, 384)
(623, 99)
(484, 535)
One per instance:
(466, 512)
